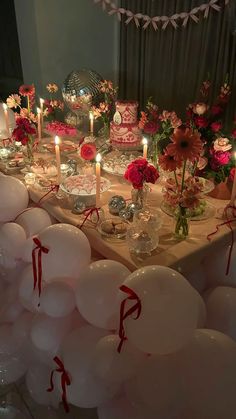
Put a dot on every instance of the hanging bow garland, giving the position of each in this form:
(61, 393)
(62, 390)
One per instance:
(163, 21)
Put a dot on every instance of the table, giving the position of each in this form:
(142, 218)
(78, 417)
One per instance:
(180, 255)
(183, 255)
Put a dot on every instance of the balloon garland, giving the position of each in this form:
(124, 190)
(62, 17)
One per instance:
(162, 21)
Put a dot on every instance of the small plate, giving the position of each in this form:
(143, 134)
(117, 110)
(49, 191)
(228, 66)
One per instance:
(114, 234)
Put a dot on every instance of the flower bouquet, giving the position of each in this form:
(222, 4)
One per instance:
(53, 108)
(139, 173)
(217, 160)
(23, 102)
(105, 110)
(25, 134)
(159, 126)
(183, 191)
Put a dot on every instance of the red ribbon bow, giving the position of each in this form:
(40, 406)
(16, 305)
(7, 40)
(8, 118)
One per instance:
(65, 381)
(228, 222)
(37, 270)
(88, 213)
(136, 307)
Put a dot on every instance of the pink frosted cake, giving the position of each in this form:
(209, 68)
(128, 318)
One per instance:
(124, 131)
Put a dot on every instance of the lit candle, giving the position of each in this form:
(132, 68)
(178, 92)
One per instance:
(41, 108)
(91, 117)
(98, 179)
(5, 107)
(58, 159)
(145, 147)
(233, 194)
(39, 124)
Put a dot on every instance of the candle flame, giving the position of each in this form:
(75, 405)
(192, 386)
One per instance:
(4, 106)
(98, 158)
(145, 141)
(57, 140)
(38, 111)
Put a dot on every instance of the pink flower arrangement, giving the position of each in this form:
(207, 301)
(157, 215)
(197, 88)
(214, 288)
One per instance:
(24, 131)
(61, 129)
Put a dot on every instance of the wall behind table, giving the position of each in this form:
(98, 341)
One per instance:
(58, 36)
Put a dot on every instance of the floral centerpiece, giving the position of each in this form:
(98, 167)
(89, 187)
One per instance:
(25, 134)
(139, 172)
(183, 191)
(53, 107)
(217, 159)
(159, 126)
(105, 110)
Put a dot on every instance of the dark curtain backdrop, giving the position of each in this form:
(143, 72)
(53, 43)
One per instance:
(170, 65)
(10, 62)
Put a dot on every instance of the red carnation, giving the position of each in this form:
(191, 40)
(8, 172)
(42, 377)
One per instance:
(139, 171)
(88, 151)
(216, 126)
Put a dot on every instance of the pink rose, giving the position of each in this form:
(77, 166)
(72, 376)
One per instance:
(234, 133)
(201, 122)
(222, 144)
(219, 158)
(216, 126)
(216, 109)
(151, 127)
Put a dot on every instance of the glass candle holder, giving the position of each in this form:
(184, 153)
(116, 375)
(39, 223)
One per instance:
(141, 241)
(148, 220)
(5, 153)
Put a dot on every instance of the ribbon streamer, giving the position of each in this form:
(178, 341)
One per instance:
(88, 214)
(65, 381)
(204, 9)
(228, 222)
(137, 307)
(37, 267)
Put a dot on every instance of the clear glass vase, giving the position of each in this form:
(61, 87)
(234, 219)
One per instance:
(139, 196)
(104, 132)
(181, 231)
(28, 154)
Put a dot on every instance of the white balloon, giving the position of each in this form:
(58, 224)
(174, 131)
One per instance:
(12, 239)
(112, 366)
(47, 332)
(14, 198)
(57, 299)
(27, 250)
(29, 297)
(8, 343)
(21, 328)
(37, 383)
(97, 293)
(159, 385)
(117, 409)
(197, 278)
(215, 265)
(208, 370)
(34, 220)
(7, 262)
(12, 275)
(169, 314)
(221, 310)
(69, 251)
(10, 312)
(12, 368)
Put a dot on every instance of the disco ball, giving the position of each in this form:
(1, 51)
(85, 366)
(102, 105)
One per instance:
(80, 90)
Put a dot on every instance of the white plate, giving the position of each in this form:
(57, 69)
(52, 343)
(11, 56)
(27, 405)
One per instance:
(208, 213)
